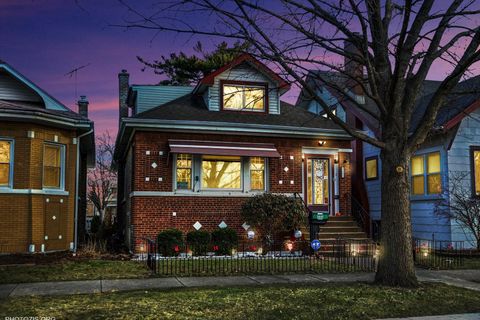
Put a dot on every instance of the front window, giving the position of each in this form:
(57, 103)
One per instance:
(184, 171)
(52, 166)
(243, 97)
(5, 162)
(257, 173)
(475, 158)
(221, 172)
(426, 177)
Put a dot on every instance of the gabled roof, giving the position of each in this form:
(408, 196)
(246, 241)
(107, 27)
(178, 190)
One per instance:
(208, 80)
(49, 101)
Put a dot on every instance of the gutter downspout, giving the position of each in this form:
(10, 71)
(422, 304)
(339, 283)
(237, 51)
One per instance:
(77, 171)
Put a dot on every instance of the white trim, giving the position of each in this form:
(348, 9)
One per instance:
(221, 147)
(62, 167)
(34, 191)
(324, 151)
(231, 194)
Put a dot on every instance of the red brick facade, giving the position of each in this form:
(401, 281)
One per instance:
(158, 211)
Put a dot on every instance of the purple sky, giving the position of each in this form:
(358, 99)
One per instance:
(45, 39)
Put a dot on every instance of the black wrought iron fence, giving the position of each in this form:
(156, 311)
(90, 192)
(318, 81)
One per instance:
(438, 254)
(342, 255)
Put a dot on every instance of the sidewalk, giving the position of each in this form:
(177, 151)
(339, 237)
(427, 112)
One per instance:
(464, 316)
(460, 278)
(98, 286)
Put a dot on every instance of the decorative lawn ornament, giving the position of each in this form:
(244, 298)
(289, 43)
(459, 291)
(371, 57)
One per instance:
(250, 234)
(297, 234)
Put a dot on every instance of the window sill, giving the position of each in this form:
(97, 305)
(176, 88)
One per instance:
(34, 191)
(431, 197)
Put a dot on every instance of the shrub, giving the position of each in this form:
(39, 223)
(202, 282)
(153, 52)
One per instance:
(224, 240)
(198, 241)
(95, 225)
(170, 242)
(272, 214)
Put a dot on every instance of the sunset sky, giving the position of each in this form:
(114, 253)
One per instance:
(45, 39)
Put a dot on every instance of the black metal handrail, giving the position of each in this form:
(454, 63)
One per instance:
(360, 214)
(307, 210)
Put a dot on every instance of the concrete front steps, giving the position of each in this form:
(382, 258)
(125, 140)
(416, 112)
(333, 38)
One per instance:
(339, 227)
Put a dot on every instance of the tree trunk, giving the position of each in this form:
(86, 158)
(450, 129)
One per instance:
(396, 266)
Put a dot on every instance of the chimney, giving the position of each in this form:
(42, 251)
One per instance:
(123, 87)
(83, 106)
(353, 68)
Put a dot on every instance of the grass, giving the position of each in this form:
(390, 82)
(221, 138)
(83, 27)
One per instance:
(74, 270)
(471, 263)
(329, 301)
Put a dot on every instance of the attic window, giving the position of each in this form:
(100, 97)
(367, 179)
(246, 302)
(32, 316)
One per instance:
(243, 97)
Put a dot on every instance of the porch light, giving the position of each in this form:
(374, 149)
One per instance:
(321, 142)
(142, 248)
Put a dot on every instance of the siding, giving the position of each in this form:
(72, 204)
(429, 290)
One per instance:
(373, 186)
(468, 134)
(13, 89)
(149, 97)
(243, 73)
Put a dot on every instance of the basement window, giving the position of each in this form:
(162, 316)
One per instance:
(6, 163)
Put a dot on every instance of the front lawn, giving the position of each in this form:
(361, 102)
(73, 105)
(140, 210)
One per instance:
(73, 270)
(328, 301)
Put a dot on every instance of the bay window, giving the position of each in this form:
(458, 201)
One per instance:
(184, 171)
(6, 162)
(53, 166)
(426, 176)
(257, 173)
(243, 97)
(221, 172)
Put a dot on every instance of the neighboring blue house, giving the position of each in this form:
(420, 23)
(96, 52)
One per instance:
(450, 151)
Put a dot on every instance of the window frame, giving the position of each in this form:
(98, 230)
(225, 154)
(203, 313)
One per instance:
(365, 167)
(425, 175)
(11, 163)
(263, 85)
(62, 166)
(242, 178)
(175, 168)
(264, 174)
(472, 170)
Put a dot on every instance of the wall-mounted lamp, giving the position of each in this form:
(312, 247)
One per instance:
(303, 157)
(335, 161)
(321, 142)
(345, 161)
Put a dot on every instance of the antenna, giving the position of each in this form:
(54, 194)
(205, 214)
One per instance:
(73, 73)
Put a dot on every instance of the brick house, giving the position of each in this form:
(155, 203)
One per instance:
(44, 152)
(190, 156)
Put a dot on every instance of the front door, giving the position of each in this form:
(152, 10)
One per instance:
(318, 184)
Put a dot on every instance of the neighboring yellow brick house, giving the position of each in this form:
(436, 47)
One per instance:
(45, 149)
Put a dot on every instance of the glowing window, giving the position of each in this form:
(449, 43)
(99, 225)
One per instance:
(184, 171)
(257, 173)
(426, 175)
(52, 166)
(5, 162)
(371, 168)
(221, 172)
(243, 98)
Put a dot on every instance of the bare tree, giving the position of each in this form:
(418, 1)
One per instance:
(102, 180)
(458, 204)
(396, 43)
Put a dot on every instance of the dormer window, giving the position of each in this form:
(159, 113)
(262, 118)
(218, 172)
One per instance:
(244, 96)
